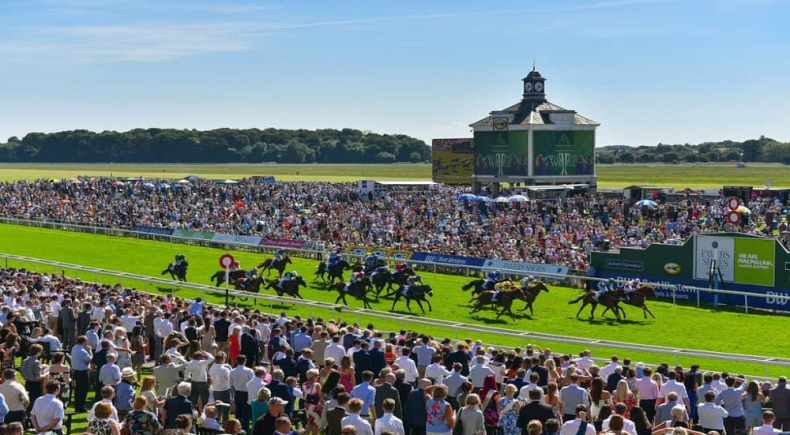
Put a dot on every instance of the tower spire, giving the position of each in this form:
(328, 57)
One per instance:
(533, 62)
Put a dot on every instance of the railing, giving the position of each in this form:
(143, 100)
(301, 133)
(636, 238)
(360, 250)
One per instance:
(524, 336)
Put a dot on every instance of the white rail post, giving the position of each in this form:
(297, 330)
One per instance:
(746, 303)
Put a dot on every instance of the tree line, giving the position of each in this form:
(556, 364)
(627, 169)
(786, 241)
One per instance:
(155, 145)
(763, 149)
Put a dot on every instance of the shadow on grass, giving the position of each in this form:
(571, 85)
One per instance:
(611, 321)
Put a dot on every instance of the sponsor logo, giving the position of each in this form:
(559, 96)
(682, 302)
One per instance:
(637, 266)
(399, 255)
(672, 268)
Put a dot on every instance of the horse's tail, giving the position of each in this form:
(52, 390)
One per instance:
(577, 299)
(469, 285)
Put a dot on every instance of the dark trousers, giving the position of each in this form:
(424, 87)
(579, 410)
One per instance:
(34, 390)
(13, 416)
(649, 405)
(199, 390)
(411, 429)
(82, 384)
(224, 397)
(732, 424)
(780, 423)
(152, 347)
(243, 410)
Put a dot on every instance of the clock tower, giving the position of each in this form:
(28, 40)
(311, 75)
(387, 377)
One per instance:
(534, 87)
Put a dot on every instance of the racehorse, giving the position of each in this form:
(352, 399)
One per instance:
(380, 281)
(532, 293)
(637, 299)
(291, 287)
(610, 300)
(248, 285)
(358, 289)
(179, 271)
(271, 263)
(220, 276)
(334, 271)
(399, 279)
(477, 284)
(504, 300)
(415, 293)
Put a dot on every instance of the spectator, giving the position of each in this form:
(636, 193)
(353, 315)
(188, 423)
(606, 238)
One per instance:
(141, 421)
(579, 424)
(107, 395)
(355, 419)
(47, 412)
(509, 411)
(780, 397)
(265, 425)
(731, 399)
(177, 405)
(389, 422)
(102, 424)
(440, 419)
(16, 397)
(471, 417)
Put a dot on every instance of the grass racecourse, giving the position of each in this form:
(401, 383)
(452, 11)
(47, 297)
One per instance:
(675, 326)
(609, 176)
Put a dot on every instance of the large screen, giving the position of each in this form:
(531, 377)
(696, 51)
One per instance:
(562, 153)
(452, 160)
(501, 153)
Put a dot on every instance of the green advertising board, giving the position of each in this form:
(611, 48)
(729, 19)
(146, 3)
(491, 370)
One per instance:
(501, 153)
(562, 153)
(754, 261)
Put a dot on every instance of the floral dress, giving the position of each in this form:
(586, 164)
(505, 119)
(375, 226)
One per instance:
(313, 410)
(507, 420)
(142, 423)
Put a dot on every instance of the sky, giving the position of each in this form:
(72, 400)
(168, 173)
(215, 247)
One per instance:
(649, 71)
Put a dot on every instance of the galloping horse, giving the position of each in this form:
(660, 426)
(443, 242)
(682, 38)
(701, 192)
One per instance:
(334, 271)
(504, 300)
(358, 289)
(637, 299)
(610, 300)
(271, 263)
(248, 285)
(415, 293)
(178, 272)
(477, 284)
(232, 275)
(399, 279)
(532, 293)
(380, 281)
(291, 288)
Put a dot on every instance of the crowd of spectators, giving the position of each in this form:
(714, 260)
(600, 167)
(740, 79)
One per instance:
(561, 231)
(143, 364)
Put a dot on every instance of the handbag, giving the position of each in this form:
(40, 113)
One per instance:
(312, 399)
(459, 426)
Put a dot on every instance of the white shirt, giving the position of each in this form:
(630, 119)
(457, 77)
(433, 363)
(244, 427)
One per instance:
(628, 425)
(220, 377)
(608, 370)
(113, 414)
(765, 429)
(46, 409)
(389, 423)
(129, 322)
(572, 428)
(436, 371)
(240, 376)
(253, 387)
(98, 314)
(335, 351)
(196, 369)
(674, 386)
(711, 416)
(523, 394)
(477, 375)
(585, 362)
(407, 364)
(719, 385)
(362, 425)
(162, 327)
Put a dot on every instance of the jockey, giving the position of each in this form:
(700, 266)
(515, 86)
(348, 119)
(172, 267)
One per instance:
(355, 277)
(528, 281)
(501, 287)
(492, 279)
(178, 260)
(604, 287)
(250, 274)
(380, 270)
(289, 276)
(235, 266)
(278, 255)
(371, 260)
(334, 258)
(631, 286)
(412, 281)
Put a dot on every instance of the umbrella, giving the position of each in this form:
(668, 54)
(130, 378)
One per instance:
(182, 182)
(117, 183)
(227, 182)
(164, 186)
(518, 198)
(743, 209)
(500, 199)
(148, 185)
(177, 186)
(466, 197)
(483, 199)
(646, 202)
(192, 177)
(75, 181)
(65, 201)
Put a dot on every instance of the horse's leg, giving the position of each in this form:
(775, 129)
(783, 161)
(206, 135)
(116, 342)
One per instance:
(513, 316)
(647, 310)
(339, 296)
(500, 313)
(622, 310)
(531, 313)
(408, 304)
(397, 296)
(592, 311)
(584, 304)
(430, 308)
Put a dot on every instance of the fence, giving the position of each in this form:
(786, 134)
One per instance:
(524, 336)
(466, 270)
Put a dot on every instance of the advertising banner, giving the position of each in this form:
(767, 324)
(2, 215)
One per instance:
(231, 238)
(754, 261)
(501, 153)
(453, 160)
(153, 230)
(202, 235)
(399, 254)
(708, 248)
(283, 243)
(562, 153)
(531, 268)
(451, 260)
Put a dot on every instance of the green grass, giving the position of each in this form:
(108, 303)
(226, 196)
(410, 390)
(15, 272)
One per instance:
(311, 172)
(610, 176)
(676, 326)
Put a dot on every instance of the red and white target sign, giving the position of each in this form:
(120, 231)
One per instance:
(733, 203)
(226, 261)
(734, 217)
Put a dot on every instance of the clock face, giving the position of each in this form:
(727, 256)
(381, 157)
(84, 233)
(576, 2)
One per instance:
(528, 87)
(539, 87)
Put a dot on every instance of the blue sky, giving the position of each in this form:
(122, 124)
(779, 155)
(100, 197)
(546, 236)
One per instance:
(649, 71)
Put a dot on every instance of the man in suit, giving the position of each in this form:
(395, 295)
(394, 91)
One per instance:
(534, 410)
(377, 359)
(402, 386)
(336, 415)
(280, 389)
(68, 324)
(388, 391)
(249, 347)
(362, 362)
(780, 397)
(664, 411)
(543, 373)
(460, 356)
(177, 405)
(415, 416)
(221, 329)
(84, 319)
